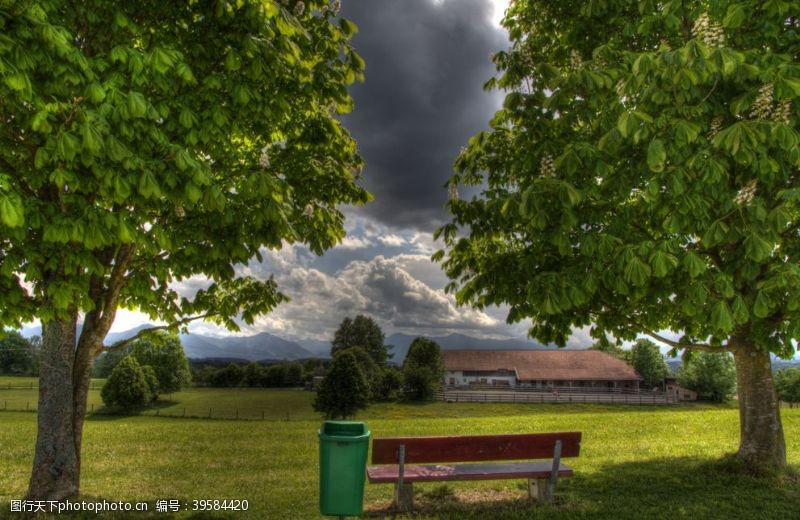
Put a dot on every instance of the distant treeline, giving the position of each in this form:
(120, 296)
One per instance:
(289, 374)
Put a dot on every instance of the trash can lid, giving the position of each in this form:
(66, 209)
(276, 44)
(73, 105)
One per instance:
(343, 429)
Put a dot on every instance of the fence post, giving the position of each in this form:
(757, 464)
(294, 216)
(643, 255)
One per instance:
(92, 407)
(184, 411)
(209, 413)
(262, 415)
(237, 413)
(27, 405)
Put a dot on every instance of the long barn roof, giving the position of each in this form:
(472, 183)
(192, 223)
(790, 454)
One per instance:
(557, 365)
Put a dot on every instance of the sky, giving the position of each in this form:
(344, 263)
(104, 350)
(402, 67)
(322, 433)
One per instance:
(422, 99)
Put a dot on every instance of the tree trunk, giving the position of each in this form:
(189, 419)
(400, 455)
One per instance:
(762, 446)
(55, 474)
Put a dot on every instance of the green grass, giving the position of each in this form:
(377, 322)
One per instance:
(636, 462)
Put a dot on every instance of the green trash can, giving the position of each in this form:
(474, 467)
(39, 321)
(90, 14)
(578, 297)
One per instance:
(343, 447)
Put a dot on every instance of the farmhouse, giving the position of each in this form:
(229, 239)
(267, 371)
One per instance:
(544, 369)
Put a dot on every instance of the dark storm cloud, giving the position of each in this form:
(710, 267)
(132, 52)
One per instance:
(422, 99)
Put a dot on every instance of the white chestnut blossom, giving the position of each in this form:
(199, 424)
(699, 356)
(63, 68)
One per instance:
(547, 167)
(709, 31)
(263, 161)
(762, 107)
(745, 195)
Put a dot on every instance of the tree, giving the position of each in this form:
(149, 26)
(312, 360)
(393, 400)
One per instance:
(229, 376)
(106, 361)
(362, 332)
(165, 354)
(423, 369)
(17, 355)
(344, 390)
(130, 163)
(787, 382)
(612, 348)
(711, 375)
(372, 371)
(641, 177)
(646, 358)
(253, 375)
(127, 386)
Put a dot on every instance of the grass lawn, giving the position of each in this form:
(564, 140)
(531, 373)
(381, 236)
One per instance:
(636, 462)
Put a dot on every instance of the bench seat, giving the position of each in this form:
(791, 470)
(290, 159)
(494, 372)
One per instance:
(444, 472)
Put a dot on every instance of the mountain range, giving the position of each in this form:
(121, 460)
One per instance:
(265, 346)
(268, 347)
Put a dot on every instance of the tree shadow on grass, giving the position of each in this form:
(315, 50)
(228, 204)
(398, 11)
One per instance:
(657, 488)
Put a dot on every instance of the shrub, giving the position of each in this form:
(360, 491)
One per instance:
(230, 375)
(127, 387)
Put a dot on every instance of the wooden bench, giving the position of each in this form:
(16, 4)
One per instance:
(542, 475)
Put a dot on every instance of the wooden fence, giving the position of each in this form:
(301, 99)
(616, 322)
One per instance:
(510, 396)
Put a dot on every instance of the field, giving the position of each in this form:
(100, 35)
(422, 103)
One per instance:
(636, 462)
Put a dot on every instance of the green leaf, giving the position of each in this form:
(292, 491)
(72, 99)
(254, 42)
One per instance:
(137, 105)
(656, 155)
(637, 271)
(662, 263)
(735, 17)
(17, 81)
(626, 124)
(757, 248)
(95, 93)
(740, 312)
(348, 27)
(721, 317)
(12, 213)
(148, 186)
(761, 305)
(694, 264)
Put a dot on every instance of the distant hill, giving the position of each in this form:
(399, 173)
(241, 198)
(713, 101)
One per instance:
(263, 346)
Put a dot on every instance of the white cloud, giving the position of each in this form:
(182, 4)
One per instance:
(392, 240)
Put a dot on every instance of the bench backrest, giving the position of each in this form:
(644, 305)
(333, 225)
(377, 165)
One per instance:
(475, 448)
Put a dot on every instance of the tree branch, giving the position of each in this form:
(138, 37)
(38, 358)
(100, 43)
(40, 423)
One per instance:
(175, 324)
(677, 344)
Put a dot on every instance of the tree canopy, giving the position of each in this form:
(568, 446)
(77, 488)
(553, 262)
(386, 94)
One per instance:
(344, 390)
(144, 144)
(711, 375)
(168, 360)
(364, 332)
(641, 176)
(646, 358)
(423, 369)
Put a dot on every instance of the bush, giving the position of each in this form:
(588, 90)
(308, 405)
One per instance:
(344, 390)
(391, 385)
(127, 387)
(711, 375)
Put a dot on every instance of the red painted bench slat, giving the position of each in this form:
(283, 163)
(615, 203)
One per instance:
(475, 448)
(541, 469)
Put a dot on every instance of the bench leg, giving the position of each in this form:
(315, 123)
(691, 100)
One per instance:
(539, 490)
(404, 497)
